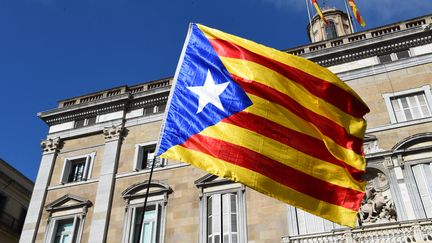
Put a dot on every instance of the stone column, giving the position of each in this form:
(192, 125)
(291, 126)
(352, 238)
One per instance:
(50, 148)
(102, 206)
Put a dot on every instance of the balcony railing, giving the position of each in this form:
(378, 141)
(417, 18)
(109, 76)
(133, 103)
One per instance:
(408, 231)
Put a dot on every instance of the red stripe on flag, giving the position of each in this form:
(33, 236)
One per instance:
(276, 171)
(325, 125)
(315, 147)
(318, 87)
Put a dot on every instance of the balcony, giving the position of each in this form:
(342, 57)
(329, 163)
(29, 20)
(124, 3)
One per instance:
(407, 231)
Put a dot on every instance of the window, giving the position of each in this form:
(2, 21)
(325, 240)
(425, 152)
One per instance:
(151, 228)
(409, 105)
(154, 109)
(144, 155)
(64, 230)
(331, 30)
(394, 56)
(77, 168)
(222, 211)
(385, 58)
(147, 231)
(423, 178)
(66, 223)
(85, 122)
(403, 54)
(222, 221)
(3, 200)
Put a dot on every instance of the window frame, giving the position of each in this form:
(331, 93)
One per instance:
(426, 90)
(76, 228)
(223, 186)
(131, 215)
(139, 153)
(332, 28)
(67, 165)
(76, 208)
(135, 197)
(413, 190)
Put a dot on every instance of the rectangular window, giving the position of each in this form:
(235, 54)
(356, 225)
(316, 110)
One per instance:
(423, 179)
(64, 230)
(85, 122)
(3, 200)
(222, 220)
(410, 107)
(76, 172)
(385, 58)
(77, 169)
(145, 155)
(403, 54)
(146, 231)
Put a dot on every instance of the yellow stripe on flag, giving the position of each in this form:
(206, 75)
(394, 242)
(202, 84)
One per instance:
(284, 154)
(255, 72)
(284, 117)
(263, 184)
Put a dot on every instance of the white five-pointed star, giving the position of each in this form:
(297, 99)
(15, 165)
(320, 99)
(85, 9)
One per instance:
(209, 93)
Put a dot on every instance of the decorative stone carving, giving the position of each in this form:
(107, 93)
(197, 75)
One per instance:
(377, 205)
(113, 132)
(371, 146)
(51, 145)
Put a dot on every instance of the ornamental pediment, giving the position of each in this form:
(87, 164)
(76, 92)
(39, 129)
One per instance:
(68, 202)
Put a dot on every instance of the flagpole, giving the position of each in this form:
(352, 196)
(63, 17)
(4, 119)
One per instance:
(145, 200)
(310, 21)
(349, 17)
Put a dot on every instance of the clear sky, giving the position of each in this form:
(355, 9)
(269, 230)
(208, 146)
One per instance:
(55, 49)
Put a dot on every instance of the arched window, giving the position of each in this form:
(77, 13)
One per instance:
(330, 30)
(223, 213)
(151, 229)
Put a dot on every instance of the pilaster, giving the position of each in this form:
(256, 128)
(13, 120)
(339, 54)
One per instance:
(102, 206)
(50, 149)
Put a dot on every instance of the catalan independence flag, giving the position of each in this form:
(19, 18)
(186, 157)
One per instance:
(356, 13)
(277, 123)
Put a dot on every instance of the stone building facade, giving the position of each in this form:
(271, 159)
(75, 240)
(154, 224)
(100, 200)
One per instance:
(95, 164)
(15, 193)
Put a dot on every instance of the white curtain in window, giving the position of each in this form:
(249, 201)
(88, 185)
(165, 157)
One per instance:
(222, 223)
(311, 224)
(423, 177)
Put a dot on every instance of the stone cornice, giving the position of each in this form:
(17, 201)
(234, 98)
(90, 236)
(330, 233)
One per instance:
(69, 109)
(107, 105)
(373, 49)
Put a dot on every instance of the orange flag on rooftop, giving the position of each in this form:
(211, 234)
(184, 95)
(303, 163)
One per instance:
(315, 3)
(278, 123)
(356, 13)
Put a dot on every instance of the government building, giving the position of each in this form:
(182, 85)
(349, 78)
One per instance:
(94, 170)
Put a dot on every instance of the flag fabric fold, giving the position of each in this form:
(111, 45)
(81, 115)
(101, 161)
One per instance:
(277, 123)
(315, 3)
(356, 13)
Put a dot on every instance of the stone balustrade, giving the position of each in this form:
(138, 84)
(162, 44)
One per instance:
(407, 231)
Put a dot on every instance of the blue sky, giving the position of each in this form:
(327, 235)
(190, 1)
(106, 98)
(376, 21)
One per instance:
(55, 49)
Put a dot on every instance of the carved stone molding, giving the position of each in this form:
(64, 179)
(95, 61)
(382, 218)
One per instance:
(51, 145)
(113, 133)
